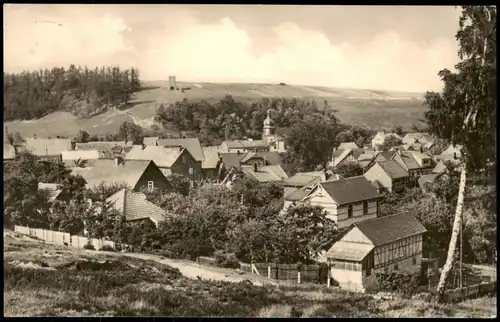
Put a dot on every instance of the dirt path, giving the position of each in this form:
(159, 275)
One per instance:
(194, 270)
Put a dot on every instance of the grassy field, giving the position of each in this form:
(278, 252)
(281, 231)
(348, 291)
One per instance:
(47, 280)
(369, 108)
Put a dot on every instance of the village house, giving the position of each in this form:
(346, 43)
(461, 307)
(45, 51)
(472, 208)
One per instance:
(266, 173)
(347, 201)
(387, 244)
(362, 156)
(415, 163)
(452, 152)
(379, 139)
(80, 158)
(47, 149)
(52, 192)
(299, 185)
(135, 208)
(137, 175)
(107, 149)
(237, 160)
(211, 165)
(191, 144)
(418, 141)
(389, 175)
(170, 160)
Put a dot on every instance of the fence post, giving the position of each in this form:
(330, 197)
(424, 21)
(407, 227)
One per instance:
(269, 272)
(298, 277)
(328, 277)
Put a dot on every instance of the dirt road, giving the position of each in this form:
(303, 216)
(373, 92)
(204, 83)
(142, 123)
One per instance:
(193, 270)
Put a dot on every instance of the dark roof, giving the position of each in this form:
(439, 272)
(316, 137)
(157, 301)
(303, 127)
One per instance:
(350, 190)
(391, 228)
(232, 159)
(134, 206)
(272, 158)
(388, 154)
(104, 170)
(393, 169)
(191, 144)
(303, 178)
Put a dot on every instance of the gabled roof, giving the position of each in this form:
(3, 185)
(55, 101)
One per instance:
(342, 156)
(134, 206)
(350, 190)
(191, 144)
(271, 157)
(231, 160)
(107, 171)
(211, 154)
(409, 161)
(391, 228)
(387, 154)
(266, 174)
(43, 147)
(393, 169)
(9, 151)
(348, 145)
(50, 190)
(162, 157)
(349, 251)
(303, 178)
(453, 149)
(80, 155)
(298, 194)
(107, 149)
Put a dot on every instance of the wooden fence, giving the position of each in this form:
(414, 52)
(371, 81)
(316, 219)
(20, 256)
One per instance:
(282, 272)
(61, 238)
(473, 291)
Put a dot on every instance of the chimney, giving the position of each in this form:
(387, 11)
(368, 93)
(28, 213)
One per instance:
(255, 167)
(421, 149)
(454, 155)
(183, 136)
(143, 146)
(238, 152)
(34, 136)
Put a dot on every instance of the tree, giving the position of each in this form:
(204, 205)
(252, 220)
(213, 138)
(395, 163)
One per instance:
(349, 169)
(82, 137)
(311, 141)
(465, 112)
(130, 131)
(390, 142)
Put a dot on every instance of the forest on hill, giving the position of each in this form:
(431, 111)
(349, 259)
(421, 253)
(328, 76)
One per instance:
(80, 90)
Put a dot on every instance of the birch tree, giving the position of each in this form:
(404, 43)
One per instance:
(465, 112)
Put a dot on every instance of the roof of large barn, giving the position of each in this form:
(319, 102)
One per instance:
(350, 190)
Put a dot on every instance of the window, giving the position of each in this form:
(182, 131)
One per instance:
(365, 207)
(150, 185)
(349, 211)
(414, 261)
(190, 170)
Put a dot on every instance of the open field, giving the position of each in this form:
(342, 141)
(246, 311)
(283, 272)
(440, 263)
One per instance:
(48, 280)
(369, 108)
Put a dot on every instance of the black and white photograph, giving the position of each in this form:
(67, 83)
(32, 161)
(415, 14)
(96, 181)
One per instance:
(258, 161)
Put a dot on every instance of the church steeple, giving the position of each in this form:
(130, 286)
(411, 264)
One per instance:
(268, 127)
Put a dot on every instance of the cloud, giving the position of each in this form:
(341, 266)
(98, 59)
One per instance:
(34, 41)
(222, 51)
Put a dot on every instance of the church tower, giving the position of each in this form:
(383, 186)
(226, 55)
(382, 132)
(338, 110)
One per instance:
(268, 127)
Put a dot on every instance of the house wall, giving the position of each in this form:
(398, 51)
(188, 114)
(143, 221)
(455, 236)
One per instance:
(349, 159)
(356, 236)
(376, 173)
(152, 173)
(347, 278)
(405, 253)
(183, 163)
(340, 214)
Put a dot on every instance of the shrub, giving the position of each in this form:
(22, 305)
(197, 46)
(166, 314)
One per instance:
(226, 260)
(107, 248)
(404, 284)
(89, 246)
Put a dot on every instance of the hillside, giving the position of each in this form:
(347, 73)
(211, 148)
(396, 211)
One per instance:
(48, 280)
(369, 108)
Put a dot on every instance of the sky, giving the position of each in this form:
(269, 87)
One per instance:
(369, 47)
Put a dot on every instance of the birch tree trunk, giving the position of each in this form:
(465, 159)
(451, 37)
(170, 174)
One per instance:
(452, 250)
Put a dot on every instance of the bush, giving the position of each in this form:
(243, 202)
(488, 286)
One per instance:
(89, 246)
(403, 284)
(226, 260)
(107, 248)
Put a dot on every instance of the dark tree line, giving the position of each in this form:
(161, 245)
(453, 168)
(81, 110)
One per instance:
(79, 90)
